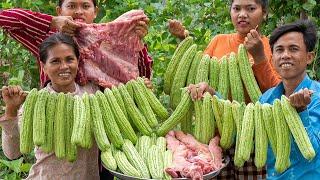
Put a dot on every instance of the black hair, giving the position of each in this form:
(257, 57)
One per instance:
(263, 3)
(53, 40)
(306, 27)
(60, 2)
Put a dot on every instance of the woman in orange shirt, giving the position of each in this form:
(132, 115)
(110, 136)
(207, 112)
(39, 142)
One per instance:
(247, 17)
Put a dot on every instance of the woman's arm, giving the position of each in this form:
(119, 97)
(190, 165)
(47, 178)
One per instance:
(27, 27)
(262, 68)
(13, 96)
(10, 137)
(144, 61)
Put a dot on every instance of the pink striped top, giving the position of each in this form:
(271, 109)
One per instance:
(31, 28)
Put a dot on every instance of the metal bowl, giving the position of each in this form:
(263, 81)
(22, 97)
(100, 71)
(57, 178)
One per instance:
(206, 176)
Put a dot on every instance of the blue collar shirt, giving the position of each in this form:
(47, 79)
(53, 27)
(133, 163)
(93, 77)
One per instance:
(300, 168)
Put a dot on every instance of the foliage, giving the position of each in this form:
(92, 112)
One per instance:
(291, 11)
(15, 169)
(203, 18)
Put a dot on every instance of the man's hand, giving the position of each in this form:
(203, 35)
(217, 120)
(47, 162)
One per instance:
(301, 99)
(254, 45)
(177, 29)
(13, 97)
(197, 90)
(64, 24)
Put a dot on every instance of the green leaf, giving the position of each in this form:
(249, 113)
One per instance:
(6, 5)
(3, 172)
(13, 165)
(25, 167)
(4, 68)
(15, 81)
(12, 176)
(309, 5)
(21, 74)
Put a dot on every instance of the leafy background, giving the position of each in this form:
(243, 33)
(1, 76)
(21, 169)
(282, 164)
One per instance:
(203, 18)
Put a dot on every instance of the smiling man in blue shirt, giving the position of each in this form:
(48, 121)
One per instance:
(292, 50)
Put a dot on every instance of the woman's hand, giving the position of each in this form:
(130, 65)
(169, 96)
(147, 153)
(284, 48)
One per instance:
(142, 28)
(177, 29)
(301, 99)
(197, 90)
(254, 45)
(13, 97)
(64, 24)
(148, 83)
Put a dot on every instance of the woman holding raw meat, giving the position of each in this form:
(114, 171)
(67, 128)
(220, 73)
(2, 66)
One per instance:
(31, 28)
(247, 17)
(59, 57)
